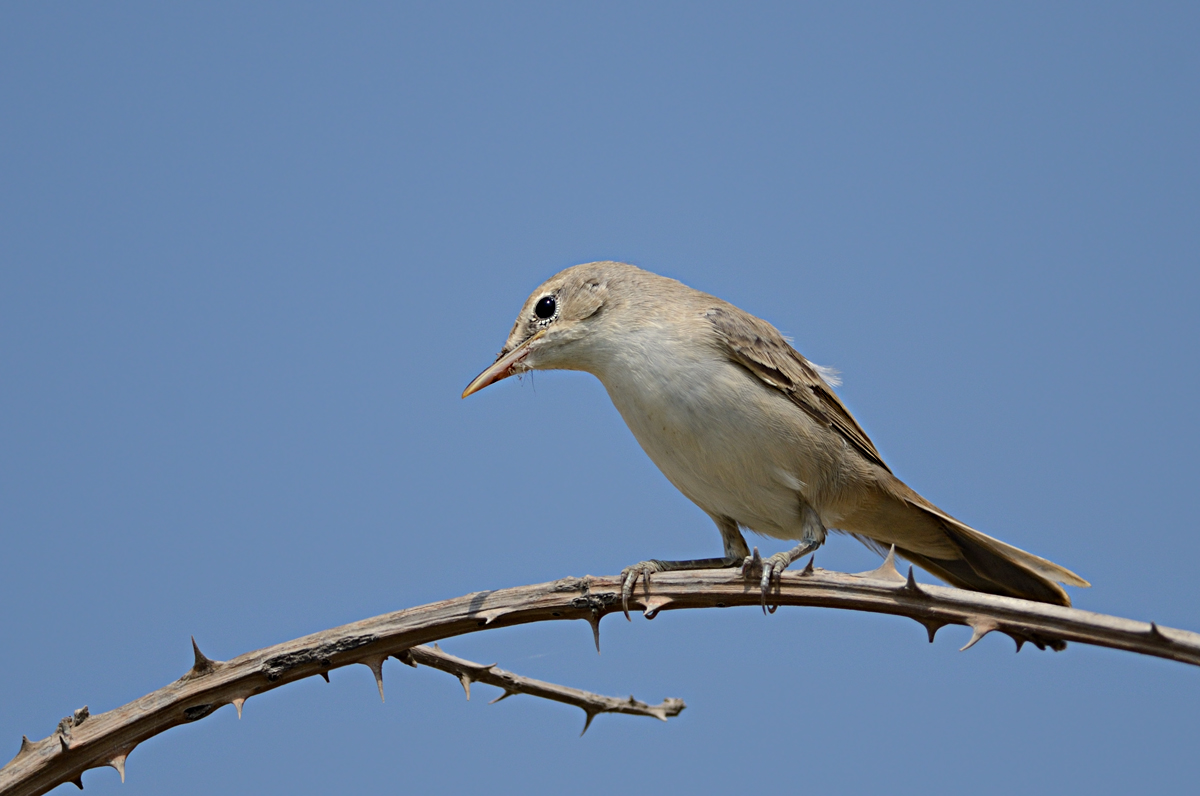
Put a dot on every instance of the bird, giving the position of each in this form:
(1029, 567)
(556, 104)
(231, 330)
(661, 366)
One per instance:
(749, 430)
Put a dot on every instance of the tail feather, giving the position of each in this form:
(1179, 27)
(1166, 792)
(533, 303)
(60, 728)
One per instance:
(992, 575)
(991, 566)
(955, 552)
(965, 533)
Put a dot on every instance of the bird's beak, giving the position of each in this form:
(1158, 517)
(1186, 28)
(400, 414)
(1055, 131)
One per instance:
(503, 368)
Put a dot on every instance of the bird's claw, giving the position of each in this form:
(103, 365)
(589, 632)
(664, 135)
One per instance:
(752, 565)
(629, 579)
(770, 570)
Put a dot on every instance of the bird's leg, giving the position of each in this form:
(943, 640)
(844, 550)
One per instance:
(735, 553)
(643, 569)
(772, 568)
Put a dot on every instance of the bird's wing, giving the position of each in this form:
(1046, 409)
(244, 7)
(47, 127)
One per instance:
(759, 347)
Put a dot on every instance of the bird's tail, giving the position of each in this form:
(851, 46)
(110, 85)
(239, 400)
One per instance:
(961, 555)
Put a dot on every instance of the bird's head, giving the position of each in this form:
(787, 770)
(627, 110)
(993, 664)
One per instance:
(556, 329)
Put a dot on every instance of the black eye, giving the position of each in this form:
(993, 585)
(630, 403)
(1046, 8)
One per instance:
(545, 308)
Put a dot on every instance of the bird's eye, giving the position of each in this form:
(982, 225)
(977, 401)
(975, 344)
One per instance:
(545, 308)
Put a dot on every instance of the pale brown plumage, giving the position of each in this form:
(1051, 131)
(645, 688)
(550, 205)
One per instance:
(706, 389)
(984, 564)
(759, 347)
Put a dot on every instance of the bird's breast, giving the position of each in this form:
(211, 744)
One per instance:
(731, 444)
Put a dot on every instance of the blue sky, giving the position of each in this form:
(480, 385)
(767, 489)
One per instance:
(250, 256)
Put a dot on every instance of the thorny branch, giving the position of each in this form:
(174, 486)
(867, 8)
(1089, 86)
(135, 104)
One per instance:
(591, 704)
(86, 741)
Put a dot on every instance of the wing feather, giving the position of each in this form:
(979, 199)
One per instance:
(759, 347)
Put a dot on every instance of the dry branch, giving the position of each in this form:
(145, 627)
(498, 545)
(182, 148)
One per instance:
(591, 704)
(105, 739)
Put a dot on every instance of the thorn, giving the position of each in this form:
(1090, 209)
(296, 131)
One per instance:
(490, 616)
(1156, 634)
(465, 679)
(587, 722)
(375, 664)
(652, 605)
(910, 586)
(62, 740)
(808, 570)
(594, 620)
(26, 744)
(78, 781)
(979, 629)
(886, 571)
(1019, 640)
(503, 696)
(932, 626)
(891, 556)
(237, 703)
(118, 762)
(326, 676)
(405, 657)
(203, 664)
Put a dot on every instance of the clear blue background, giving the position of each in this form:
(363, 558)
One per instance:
(250, 256)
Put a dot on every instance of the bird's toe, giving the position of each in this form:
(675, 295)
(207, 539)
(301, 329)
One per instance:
(752, 566)
(629, 579)
(769, 571)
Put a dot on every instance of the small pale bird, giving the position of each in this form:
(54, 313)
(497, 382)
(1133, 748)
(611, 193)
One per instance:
(748, 429)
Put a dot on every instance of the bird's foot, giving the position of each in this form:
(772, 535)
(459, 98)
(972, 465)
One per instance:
(629, 579)
(643, 569)
(769, 570)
